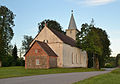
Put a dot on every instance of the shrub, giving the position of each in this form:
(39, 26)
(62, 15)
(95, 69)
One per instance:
(7, 61)
(108, 65)
(20, 62)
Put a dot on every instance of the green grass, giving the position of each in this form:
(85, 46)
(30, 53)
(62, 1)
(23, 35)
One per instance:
(6, 72)
(108, 78)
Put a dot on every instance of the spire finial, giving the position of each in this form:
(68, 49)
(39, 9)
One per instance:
(72, 24)
(72, 11)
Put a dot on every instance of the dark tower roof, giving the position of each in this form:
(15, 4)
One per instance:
(72, 24)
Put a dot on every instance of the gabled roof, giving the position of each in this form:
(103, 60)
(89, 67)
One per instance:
(72, 24)
(66, 39)
(45, 47)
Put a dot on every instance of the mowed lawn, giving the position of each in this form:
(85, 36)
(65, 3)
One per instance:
(109, 78)
(6, 72)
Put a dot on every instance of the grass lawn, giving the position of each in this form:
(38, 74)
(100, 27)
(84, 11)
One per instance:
(109, 78)
(6, 72)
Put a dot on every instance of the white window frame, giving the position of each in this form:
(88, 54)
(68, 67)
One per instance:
(37, 62)
(36, 51)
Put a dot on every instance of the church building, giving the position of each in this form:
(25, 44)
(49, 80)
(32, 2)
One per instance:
(51, 48)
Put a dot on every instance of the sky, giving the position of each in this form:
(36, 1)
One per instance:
(106, 15)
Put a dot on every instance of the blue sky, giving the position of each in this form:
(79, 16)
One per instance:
(29, 13)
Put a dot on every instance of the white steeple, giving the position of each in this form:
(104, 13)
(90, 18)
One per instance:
(72, 28)
(72, 24)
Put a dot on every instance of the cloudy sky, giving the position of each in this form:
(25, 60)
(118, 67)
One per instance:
(92, 2)
(29, 13)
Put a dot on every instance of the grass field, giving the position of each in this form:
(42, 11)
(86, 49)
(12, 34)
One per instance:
(6, 72)
(109, 78)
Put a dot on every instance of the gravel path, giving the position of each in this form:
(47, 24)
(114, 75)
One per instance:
(64, 78)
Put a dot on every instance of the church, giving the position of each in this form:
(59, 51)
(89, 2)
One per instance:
(51, 48)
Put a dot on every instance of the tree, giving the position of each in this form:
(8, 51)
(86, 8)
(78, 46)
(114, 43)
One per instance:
(106, 51)
(26, 42)
(89, 40)
(95, 41)
(6, 32)
(50, 24)
(118, 60)
(14, 53)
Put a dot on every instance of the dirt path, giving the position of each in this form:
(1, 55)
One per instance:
(64, 78)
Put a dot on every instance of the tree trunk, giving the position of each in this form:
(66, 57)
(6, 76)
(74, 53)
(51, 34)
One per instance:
(0, 64)
(95, 62)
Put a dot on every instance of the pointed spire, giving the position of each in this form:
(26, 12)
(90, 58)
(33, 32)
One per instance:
(72, 24)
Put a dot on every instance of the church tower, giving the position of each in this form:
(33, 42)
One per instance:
(72, 28)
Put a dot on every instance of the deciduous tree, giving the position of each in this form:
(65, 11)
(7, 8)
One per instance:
(95, 41)
(26, 42)
(118, 60)
(6, 32)
(50, 24)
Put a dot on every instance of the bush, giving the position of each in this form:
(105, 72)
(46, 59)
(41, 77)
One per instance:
(7, 61)
(10, 61)
(108, 65)
(20, 62)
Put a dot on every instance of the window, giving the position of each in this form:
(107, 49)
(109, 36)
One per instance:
(76, 59)
(46, 41)
(37, 62)
(36, 51)
(72, 59)
(80, 59)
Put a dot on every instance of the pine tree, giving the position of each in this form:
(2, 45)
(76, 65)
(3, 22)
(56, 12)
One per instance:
(14, 53)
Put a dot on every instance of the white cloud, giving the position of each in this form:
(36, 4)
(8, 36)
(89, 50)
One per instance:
(92, 2)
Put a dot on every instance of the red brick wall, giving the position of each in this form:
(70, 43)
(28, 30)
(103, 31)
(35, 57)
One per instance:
(31, 56)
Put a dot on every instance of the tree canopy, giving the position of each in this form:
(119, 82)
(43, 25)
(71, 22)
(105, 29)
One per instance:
(26, 42)
(50, 24)
(95, 41)
(6, 32)
(118, 60)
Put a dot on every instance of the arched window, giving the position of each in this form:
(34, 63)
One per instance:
(72, 59)
(80, 59)
(76, 59)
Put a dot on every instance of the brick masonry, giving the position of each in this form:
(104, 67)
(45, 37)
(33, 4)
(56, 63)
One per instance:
(37, 53)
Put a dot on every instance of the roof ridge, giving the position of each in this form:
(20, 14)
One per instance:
(45, 46)
(66, 39)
